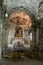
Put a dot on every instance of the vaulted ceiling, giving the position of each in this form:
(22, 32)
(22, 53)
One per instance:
(32, 5)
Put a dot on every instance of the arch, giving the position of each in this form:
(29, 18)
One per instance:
(22, 9)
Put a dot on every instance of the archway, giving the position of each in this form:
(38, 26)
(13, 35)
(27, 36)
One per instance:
(20, 20)
(18, 28)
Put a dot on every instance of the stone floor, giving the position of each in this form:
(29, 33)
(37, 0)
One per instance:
(26, 61)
